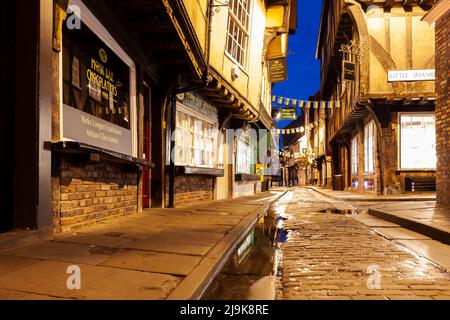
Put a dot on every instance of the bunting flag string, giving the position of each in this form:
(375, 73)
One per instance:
(301, 129)
(308, 104)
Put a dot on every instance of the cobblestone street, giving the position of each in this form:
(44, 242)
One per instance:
(334, 256)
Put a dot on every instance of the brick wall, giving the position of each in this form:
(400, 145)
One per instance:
(442, 110)
(192, 189)
(89, 193)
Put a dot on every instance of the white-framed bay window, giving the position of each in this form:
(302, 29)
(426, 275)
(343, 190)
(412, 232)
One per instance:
(417, 141)
(369, 147)
(355, 155)
(238, 30)
(198, 141)
(245, 152)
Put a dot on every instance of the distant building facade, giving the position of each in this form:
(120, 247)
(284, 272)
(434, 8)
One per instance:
(378, 60)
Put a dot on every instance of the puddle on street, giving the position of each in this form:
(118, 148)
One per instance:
(262, 260)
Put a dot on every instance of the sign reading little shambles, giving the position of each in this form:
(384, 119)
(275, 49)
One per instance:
(96, 92)
(411, 75)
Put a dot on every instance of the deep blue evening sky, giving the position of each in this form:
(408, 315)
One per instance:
(303, 68)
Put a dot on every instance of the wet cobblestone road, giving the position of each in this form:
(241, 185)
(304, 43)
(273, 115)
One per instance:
(333, 256)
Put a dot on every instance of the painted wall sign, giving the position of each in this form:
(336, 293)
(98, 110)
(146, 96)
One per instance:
(411, 75)
(277, 70)
(83, 127)
(349, 71)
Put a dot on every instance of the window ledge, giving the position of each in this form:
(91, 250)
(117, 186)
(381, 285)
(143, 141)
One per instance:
(90, 153)
(247, 177)
(188, 170)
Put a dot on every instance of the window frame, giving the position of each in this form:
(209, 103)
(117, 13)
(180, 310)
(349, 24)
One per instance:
(215, 152)
(251, 153)
(245, 30)
(369, 162)
(355, 155)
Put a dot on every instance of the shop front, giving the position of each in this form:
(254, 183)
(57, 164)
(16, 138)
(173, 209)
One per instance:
(96, 163)
(198, 153)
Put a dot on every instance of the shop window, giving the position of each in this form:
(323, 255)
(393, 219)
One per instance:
(98, 88)
(196, 141)
(369, 185)
(355, 156)
(95, 80)
(238, 30)
(245, 154)
(369, 147)
(417, 141)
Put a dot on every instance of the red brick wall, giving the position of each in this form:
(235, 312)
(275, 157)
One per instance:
(93, 192)
(442, 110)
(192, 189)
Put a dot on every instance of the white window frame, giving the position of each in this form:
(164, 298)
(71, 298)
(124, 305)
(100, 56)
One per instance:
(195, 146)
(244, 29)
(100, 31)
(354, 156)
(411, 114)
(243, 154)
(369, 148)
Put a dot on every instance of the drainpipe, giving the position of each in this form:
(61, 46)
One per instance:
(173, 103)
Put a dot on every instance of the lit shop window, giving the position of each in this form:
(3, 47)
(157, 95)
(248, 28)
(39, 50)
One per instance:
(369, 147)
(417, 141)
(196, 142)
(244, 154)
(95, 80)
(238, 26)
(355, 156)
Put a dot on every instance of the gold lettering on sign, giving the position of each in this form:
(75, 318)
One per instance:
(101, 78)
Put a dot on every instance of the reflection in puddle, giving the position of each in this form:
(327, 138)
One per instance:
(263, 260)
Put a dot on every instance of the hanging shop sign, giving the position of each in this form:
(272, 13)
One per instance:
(96, 92)
(288, 114)
(411, 75)
(348, 71)
(277, 70)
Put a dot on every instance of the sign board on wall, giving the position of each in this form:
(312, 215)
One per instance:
(83, 127)
(277, 70)
(411, 75)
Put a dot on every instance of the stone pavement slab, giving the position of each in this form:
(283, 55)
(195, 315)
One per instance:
(60, 251)
(151, 244)
(9, 264)
(50, 278)
(400, 234)
(175, 264)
